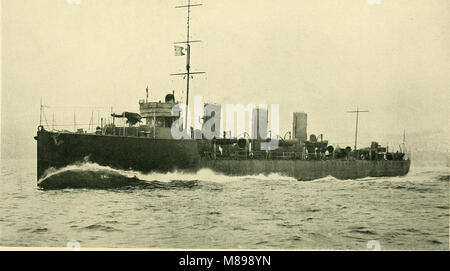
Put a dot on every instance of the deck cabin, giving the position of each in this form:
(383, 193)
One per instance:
(158, 117)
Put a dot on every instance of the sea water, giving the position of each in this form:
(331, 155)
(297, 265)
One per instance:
(211, 211)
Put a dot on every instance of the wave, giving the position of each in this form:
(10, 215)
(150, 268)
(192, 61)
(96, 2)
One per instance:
(95, 176)
(328, 178)
(92, 175)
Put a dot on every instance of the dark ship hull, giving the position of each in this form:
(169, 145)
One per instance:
(57, 150)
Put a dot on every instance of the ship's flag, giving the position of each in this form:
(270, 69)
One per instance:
(179, 51)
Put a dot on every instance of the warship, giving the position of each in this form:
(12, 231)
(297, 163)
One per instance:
(146, 143)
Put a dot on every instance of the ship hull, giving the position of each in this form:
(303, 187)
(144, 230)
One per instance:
(312, 169)
(57, 150)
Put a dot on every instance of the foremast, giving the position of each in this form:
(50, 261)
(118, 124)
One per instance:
(187, 42)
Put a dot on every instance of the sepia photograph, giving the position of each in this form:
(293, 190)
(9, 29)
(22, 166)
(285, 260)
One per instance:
(225, 125)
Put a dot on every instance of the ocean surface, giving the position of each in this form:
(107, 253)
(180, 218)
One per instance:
(211, 211)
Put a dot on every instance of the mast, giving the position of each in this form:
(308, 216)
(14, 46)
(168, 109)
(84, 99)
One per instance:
(40, 112)
(188, 62)
(188, 72)
(404, 136)
(357, 120)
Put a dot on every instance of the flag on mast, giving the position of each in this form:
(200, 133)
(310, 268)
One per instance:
(179, 51)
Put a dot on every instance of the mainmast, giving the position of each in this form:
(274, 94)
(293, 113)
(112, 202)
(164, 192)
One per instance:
(357, 121)
(188, 42)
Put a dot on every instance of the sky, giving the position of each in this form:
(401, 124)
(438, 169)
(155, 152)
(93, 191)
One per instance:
(321, 57)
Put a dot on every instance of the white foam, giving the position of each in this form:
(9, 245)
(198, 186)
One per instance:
(328, 178)
(205, 174)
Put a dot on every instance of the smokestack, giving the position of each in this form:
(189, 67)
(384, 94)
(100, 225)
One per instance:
(260, 120)
(300, 124)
